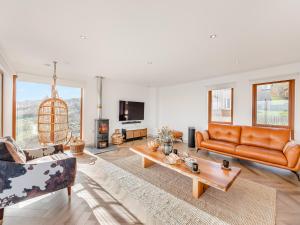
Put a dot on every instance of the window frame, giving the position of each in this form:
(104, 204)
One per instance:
(291, 112)
(210, 107)
(2, 103)
(81, 113)
(14, 108)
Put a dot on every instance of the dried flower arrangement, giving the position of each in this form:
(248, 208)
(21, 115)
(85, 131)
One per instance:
(165, 135)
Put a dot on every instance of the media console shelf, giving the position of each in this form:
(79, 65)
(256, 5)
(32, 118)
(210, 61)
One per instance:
(134, 134)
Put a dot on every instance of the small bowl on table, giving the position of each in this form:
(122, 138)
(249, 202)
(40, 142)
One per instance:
(153, 146)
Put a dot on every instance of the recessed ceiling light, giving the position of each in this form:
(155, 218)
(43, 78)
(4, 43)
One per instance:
(212, 36)
(149, 62)
(83, 37)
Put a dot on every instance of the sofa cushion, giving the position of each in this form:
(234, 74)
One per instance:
(221, 146)
(4, 153)
(261, 154)
(271, 138)
(14, 150)
(222, 132)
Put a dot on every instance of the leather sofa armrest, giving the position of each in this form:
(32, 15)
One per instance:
(198, 139)
(292, 153)
(200, 136)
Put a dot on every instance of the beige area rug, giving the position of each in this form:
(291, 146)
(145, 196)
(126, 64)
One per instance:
(245, 203)
(159, 196)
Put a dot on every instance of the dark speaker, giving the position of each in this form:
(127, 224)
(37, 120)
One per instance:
(191, 142)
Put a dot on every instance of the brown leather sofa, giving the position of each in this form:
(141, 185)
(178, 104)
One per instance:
(270, 146)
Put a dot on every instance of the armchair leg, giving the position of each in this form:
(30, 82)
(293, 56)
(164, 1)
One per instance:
(297, 174)
(69, 190)
(1, 214)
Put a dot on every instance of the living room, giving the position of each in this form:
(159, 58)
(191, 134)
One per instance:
(128, 112)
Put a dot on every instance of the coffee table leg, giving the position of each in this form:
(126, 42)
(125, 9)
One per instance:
(198, 188)
(147, 162)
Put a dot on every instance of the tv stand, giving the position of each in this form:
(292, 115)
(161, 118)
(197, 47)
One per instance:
(130, 135)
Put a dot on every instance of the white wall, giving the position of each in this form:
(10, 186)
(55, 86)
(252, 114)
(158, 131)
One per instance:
(113, 91)
(185, 105)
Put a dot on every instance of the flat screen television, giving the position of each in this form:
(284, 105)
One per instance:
(131, 110)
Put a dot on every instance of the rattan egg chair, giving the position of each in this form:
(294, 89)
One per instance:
(53, 124)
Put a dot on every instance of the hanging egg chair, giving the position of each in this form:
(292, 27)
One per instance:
(53, 124)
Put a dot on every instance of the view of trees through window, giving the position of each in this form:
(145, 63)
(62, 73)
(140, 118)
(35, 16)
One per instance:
(272, 104)
(29, 97)
(221, 106)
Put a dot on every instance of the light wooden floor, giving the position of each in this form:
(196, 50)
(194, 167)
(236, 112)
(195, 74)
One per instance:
(91, 204)
(285, 182)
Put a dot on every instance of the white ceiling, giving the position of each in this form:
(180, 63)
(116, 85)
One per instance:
(157, 42)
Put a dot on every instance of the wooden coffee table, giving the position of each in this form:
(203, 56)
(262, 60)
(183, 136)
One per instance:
(211, 174)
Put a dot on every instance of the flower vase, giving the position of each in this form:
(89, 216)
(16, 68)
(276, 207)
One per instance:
(168, 147)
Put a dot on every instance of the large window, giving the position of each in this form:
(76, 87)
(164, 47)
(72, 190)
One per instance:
(29, 95)
(273, 104)
(220, 106)
(72, 96)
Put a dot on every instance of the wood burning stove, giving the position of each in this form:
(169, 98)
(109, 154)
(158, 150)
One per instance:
(102, 133)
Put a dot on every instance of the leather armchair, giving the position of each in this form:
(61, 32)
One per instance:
(177, 135)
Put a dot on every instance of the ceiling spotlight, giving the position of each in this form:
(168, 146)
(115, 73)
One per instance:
(83, 37)
(212, 36)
